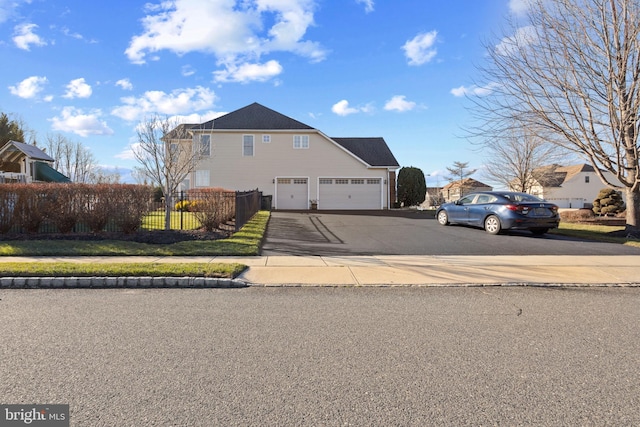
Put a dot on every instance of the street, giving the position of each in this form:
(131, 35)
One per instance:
(326, 356)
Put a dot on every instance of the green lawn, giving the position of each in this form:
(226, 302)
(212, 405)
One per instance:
(179, 221)
(602, 233)
(245, 242)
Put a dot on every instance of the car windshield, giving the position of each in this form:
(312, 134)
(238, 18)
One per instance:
(521, 197)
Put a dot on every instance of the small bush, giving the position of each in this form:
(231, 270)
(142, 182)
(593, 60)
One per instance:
(608, 203)
(184, 206)
(578, 215)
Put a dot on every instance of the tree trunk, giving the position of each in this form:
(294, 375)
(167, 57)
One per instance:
(168, 207)
(633, 212)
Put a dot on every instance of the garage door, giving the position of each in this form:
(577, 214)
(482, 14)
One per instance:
(292, 193)
(350, 193)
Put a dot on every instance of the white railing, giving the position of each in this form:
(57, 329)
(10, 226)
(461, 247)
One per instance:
(14, 177)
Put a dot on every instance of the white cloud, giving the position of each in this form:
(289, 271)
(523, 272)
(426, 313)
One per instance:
(125, 84)
(75, 120)
(474, 90)
(342, 108)
(176, 102)
(29, 88)
(246, 73)
(236, 32)
(24, 36)
(419, 50)
(400, 104)
(187, 70)
(524, 36)
(78, 88)
(368, 5)
(519, 7)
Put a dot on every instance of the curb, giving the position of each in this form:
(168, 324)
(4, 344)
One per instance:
(118, 282)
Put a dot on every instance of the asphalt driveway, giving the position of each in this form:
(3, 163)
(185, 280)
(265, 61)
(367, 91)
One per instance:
(331, 233)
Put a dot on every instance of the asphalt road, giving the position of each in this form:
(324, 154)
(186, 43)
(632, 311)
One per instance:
(410, 233)
(326, 356)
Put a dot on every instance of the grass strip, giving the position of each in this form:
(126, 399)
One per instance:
(245, 242)
(81, 269)
(600, 233)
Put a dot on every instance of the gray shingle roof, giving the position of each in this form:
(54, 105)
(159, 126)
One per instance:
(30, 150)
(373, 151)
(254, 117)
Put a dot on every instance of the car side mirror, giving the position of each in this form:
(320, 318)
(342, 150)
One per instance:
(458, 202)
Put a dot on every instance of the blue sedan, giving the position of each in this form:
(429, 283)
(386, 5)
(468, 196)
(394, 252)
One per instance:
(501, 210)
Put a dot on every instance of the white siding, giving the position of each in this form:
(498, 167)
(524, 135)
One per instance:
(323, 158)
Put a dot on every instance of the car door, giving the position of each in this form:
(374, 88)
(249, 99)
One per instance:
(459, 212)
(480, 208)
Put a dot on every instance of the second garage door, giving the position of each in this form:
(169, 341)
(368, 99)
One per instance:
(350, 193)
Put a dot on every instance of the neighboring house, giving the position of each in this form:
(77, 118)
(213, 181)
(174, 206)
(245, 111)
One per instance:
(20, 162)
(574, 186)
(299, 166)
(456, 189)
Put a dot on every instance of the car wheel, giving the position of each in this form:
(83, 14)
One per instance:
(492, 224)
(443, 218)
(539, 231)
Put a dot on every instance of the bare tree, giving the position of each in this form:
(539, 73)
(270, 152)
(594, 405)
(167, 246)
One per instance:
(459, 172)
(166, 156)
(515, 157)
(73, 159)
(572, 70)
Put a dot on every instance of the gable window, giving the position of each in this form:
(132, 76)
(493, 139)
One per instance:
(301, 141)
(266, 139)
(247, 145)
(586, 179)
(202, 178)
(205, 145)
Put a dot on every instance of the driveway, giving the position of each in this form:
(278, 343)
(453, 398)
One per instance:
(409, 233)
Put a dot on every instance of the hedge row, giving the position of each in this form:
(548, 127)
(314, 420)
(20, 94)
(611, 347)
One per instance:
(25, 207)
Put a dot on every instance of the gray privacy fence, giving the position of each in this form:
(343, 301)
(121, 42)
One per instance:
(84, 208)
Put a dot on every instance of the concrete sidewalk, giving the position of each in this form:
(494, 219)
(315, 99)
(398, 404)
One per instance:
(413, 270)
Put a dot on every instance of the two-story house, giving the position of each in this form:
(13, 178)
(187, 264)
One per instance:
(574, 186)
(299, 166)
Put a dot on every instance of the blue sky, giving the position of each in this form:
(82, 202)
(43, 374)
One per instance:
(92, 70)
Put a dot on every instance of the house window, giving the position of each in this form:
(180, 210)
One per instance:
(173, 152)
(205, 145)
(266, 139)
(202, 178)
(301, 141)
(586, 179)
(247, 145)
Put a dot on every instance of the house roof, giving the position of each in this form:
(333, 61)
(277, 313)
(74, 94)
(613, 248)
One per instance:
(180, 132)
(373, 151)
(466, 183)
(254, 117)
(31, 151)
(556, 175)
